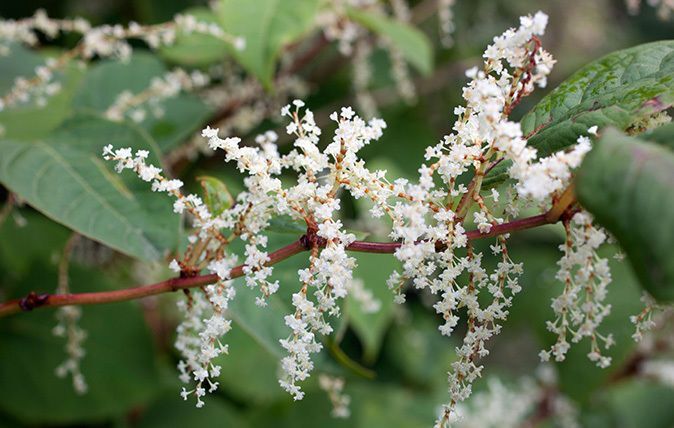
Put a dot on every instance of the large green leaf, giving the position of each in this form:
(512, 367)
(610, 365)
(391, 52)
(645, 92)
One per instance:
(30, 121)
(412, 43)
(267, 26)
(182, 114)
(627, 184)
(197, 49)
(618, 90)
(66, 179)
(119, 365)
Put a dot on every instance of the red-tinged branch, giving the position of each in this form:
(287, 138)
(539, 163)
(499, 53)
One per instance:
(34, 301)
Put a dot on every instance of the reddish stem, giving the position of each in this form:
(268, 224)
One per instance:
(34, 301)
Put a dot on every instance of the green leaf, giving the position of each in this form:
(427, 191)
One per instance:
(182, 114)
(196, 49)
(390, 405)
(619, 90)
(29, 121)
(412, 43)
(626, 183)
(65, 178)
(374, 270)
(267, 26)
(119, 365)
(216, 195)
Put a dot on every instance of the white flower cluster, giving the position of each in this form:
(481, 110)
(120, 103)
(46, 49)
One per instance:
(499, 405)
(112, 40)
(198, 338)
(580, 309)
(188, 24)
(334, 387)
(369, 304)
(548, 176)
(652, 327)
(313, 199)
(103, 41)
(243, 104)
(361, 69)
(428, 219)
(198, 335)
(39, 88)
(136, 106)
(660, 370)
(399, 69)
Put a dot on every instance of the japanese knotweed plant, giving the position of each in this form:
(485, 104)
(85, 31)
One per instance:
(427, 224)
(474, 184)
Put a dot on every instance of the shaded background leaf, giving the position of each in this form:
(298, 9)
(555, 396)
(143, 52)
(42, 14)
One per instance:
(65, 178)
(626, 183)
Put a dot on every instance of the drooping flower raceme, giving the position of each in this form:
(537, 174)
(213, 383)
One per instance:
(580, 308)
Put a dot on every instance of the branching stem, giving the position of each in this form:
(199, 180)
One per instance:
(34, 300)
